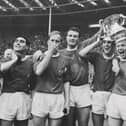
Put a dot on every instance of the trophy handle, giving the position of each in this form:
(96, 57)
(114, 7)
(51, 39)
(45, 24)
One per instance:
(101, 21)
(104, 28)
(123, 22)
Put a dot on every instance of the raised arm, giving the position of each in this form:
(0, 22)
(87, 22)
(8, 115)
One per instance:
(88, 48)
(92, 39)
(91, 42)
(39, 67)
(5, 66)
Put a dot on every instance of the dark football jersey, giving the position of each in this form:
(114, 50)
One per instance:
(120, 81)
(17, 77)
(79, 68)
(104, 76)
(2, 60)
(55, 75)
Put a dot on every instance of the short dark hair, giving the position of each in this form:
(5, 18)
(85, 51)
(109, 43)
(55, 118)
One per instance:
(74, 29)
(27, 40)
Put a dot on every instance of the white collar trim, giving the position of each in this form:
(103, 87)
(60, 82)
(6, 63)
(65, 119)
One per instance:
(107, 57)
(69, 49)
(56, 55)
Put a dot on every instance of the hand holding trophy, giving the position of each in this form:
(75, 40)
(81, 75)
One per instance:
(113, 24)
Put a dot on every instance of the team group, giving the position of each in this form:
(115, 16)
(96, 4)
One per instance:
(65, 86)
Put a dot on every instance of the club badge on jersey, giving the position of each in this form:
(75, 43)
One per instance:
(61, 71)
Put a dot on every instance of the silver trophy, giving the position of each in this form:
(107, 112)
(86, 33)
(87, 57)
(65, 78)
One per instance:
(112, 25)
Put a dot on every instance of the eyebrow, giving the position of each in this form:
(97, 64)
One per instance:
(21, 39)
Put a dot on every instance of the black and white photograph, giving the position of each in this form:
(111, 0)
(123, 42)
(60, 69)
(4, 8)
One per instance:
(62, 62)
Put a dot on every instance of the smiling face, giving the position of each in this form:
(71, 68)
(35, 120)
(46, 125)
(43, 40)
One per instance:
(72, 38)
(121, 49)
(107, 47)
(19, 44)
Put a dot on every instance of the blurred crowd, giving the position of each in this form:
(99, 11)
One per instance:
(38, 41)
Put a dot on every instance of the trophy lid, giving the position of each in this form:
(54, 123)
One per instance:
(120, 36)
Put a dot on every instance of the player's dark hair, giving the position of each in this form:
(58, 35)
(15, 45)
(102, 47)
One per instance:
(27, 40)
(74, 29)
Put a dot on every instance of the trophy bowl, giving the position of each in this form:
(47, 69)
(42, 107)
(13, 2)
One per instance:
(113, 24)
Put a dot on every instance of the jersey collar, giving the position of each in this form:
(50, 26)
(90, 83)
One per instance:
(69, 49)
(25, 58)
(56, 55)
(107, 57)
